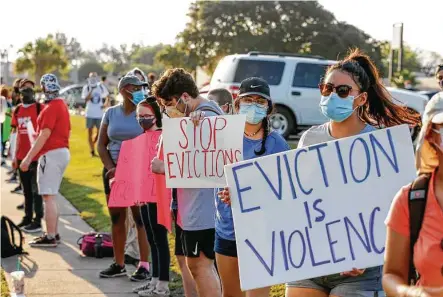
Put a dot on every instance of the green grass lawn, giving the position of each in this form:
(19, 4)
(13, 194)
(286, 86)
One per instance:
(83, 187)
(5, 288)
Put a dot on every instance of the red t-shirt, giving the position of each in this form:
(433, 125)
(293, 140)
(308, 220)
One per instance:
(55, 117)
(20, 119)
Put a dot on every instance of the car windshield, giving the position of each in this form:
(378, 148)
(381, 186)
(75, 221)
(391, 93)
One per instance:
(271, 71)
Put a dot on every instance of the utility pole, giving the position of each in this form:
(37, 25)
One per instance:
(396, 44)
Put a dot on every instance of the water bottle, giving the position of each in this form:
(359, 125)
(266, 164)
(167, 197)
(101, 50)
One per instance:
(98, 246)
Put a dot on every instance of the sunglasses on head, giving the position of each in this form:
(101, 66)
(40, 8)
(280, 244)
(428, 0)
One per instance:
(341, 90)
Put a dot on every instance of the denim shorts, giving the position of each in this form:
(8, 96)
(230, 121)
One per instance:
(225, 247)
(366, 285)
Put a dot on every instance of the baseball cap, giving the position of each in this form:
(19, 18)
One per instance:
(130, 80)
(426, 158)
(254, 86)
(24, 81)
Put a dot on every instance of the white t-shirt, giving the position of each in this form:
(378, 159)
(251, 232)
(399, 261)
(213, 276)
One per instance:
(94, 107)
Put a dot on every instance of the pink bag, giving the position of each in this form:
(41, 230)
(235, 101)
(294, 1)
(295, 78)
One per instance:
(97, 245)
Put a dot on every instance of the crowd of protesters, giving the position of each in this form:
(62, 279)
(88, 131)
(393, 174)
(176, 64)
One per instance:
(352, 98)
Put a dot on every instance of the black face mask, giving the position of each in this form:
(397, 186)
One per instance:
(146, 124)
(28, 95)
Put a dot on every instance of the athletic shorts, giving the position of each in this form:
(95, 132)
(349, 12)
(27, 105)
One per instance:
(225, 247)
(178, 237)
(51, 167)
(91, 123)
(195, 242)
(366, 285)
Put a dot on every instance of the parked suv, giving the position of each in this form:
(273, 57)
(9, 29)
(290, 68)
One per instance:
(293, 80)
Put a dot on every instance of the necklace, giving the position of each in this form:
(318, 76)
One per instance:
(253, 134)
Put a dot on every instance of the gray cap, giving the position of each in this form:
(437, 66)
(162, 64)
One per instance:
(130, 80)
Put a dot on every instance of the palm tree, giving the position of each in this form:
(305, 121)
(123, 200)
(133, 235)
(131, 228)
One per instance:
(42, 56)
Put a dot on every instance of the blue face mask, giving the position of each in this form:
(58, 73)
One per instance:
(336, 108)
(254, 113)
(137, 97)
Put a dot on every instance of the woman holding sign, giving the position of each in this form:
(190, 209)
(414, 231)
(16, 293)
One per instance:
(255, 102)
(120, 124)
(355, 101)
(150, 119)
(415, 226)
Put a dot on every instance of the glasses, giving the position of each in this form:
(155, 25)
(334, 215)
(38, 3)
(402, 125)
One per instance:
(251, 100)
(341, 90)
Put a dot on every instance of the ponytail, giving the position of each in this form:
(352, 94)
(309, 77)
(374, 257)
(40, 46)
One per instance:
(265, 125)
(379, 109)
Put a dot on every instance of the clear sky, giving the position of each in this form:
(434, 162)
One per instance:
(94, 22)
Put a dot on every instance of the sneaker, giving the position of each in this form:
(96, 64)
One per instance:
(131, 261)
(24, 223)
(17, 190)
(21, 206)
(155, 293)
(12, 180)
(141, 274)
(145, 287)
(57, 237)
(44, 241)
(34, 227)
(114, 270)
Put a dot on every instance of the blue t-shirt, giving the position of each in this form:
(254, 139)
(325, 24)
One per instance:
(121, 127)
(275, 143)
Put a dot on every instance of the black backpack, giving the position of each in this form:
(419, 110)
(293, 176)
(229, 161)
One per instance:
(10, 232)
(418, 195)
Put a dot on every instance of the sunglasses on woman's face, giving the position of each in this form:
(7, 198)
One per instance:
(341, 90)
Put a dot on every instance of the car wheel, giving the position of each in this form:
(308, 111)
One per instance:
(282, 121)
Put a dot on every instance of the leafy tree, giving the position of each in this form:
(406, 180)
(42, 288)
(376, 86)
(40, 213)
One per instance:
(219, 28)
(411, 61)
(73, 48)
(429, 61)
(42, 56)
(90, 66)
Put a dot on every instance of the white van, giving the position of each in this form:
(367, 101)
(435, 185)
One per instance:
(293, 80)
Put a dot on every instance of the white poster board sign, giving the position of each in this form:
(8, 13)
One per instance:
(317, 210)
(195, 156)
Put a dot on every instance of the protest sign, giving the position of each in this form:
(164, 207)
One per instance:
(195, 155)
(164, 196)
(317, 210)
(134, 182)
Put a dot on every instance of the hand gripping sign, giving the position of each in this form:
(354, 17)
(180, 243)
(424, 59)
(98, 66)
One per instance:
(195, 155)
(317, 210)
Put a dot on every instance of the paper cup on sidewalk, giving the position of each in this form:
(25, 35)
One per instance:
(18, 282)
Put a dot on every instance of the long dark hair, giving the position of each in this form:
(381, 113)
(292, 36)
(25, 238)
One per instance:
(151, 101)
(379, 109)
(265, 125)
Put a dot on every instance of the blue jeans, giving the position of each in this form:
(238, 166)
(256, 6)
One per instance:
(366, 285)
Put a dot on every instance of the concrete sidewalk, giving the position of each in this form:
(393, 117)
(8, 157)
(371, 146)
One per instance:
(60, 271)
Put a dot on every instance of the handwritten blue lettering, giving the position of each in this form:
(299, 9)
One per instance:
(241, 190)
